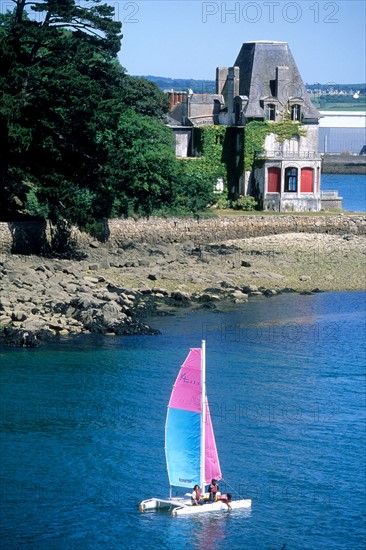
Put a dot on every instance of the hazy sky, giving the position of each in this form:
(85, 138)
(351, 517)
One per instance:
(190, 38)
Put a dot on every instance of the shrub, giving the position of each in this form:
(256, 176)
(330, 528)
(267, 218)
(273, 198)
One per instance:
(244, 202)
(222, 202)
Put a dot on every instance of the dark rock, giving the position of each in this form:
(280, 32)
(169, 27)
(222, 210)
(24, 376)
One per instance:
(208, 305)
(145, 290)
(115, 289)
(213, 290)
(249, 289)
(84, 302)
(227, 284)
(157, 290)
(19, 338)
(208, 298)
(135, 327)
(127, 246)
(269, 292)
(42, 268)
(179, 296)
(18, 315)
(72, 271)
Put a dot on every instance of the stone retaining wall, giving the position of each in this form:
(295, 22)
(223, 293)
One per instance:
(29, 236)
(332, 203)
(207, 230)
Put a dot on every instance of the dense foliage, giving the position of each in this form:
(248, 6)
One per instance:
(80, 139)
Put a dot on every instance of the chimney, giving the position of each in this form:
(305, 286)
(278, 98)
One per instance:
(221, 77)
(232, 88)
(282, 83)
(171, 100)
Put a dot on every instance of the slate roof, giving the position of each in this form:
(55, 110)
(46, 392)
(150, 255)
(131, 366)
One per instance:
(206, 98)
(257, 62)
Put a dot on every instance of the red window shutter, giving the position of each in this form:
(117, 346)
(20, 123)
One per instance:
(306, 185)
(274, 180)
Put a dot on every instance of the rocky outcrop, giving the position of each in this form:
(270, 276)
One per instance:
(41, 298)
(113, 289)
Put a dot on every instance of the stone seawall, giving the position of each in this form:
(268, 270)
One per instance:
(206, 230)
(25, 237)
(343, 164)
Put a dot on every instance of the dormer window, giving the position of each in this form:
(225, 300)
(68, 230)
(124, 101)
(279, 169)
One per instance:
(296, 112)
(270, 111)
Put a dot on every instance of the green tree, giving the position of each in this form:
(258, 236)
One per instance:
(55, 75)
(194, 187)
(141, 166)
(79, 138)
(144, 96)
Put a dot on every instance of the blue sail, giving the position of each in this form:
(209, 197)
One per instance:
(182, 447)
(183, 424)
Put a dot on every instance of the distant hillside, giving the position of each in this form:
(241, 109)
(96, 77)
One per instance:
(208, 86)
(184, 84)
(326, 97)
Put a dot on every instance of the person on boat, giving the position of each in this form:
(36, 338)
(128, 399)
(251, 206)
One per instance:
(196, 496)
(213, 489)
(226, 499)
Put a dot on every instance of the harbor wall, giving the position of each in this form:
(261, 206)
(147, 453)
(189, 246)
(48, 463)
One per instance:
(35, 237)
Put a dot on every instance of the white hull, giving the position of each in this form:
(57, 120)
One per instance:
(161, 504)
(183, 507)
(212, 507)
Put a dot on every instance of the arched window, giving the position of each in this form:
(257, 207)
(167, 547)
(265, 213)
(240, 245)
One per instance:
(291, 179)
(270, 111)
(296, 112)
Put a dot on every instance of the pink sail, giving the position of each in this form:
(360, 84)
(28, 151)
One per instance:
(212, 464)
(182, 430)
(186, 392)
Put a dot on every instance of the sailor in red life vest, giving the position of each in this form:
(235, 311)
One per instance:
(196, 496)
(213, 488)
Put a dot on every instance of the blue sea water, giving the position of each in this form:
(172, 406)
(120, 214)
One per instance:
(349, 186)
(83, 431)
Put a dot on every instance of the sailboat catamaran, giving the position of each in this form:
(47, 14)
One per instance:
(190, 446)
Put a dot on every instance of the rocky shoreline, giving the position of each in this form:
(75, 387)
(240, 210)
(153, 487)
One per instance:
(112, 289)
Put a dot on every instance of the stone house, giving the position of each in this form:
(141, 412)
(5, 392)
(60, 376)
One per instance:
(263, 85)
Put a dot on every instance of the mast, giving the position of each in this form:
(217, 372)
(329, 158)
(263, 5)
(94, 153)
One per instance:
(203, 415)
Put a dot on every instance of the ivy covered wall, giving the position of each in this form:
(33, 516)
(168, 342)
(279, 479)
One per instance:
(224, 152)
(256, 133)
(221, 152)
